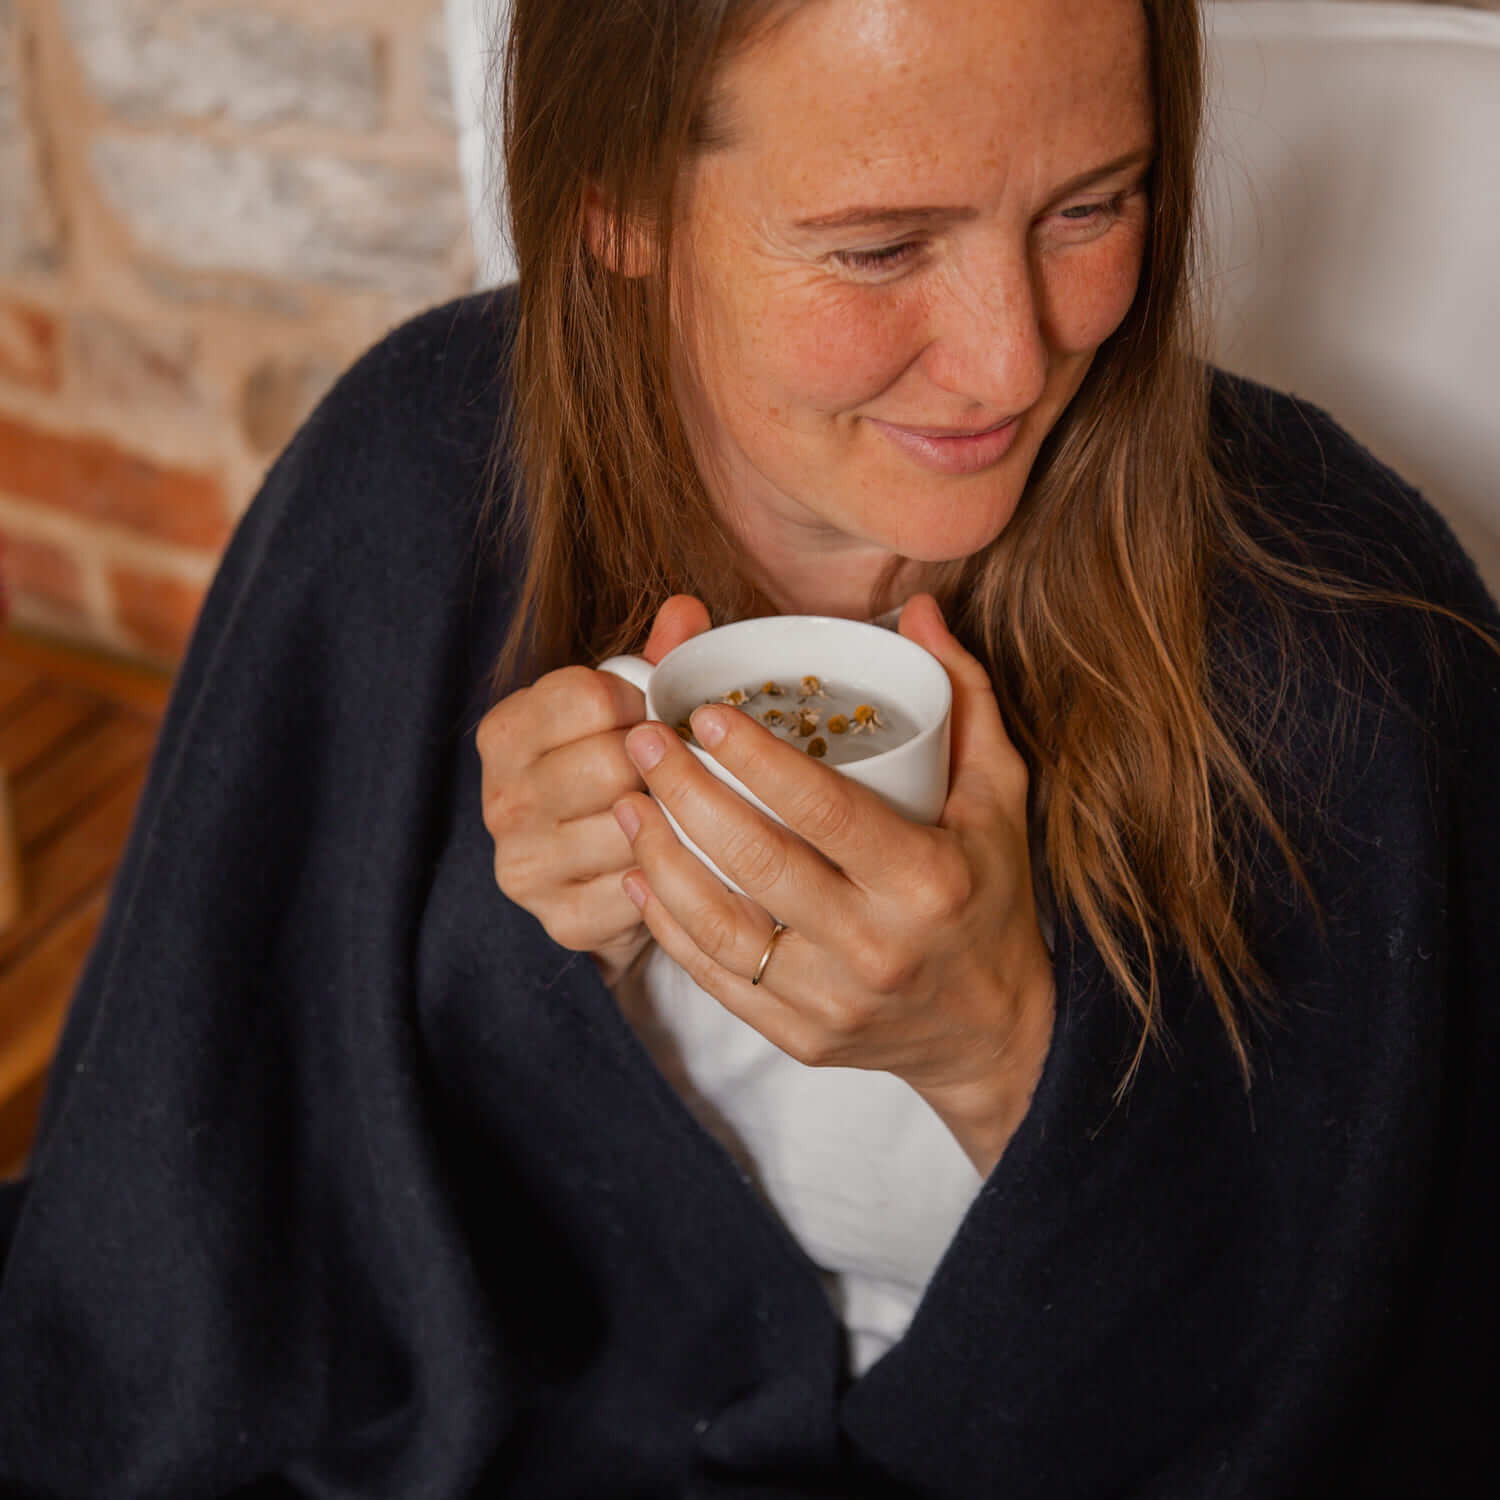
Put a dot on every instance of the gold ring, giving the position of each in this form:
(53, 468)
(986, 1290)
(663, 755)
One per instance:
(765, 956)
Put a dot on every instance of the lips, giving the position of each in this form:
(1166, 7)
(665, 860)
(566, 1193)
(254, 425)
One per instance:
(949, 432)
(952, 450)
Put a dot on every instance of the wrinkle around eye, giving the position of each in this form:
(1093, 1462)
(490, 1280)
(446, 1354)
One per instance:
(888, 258)
(1121, 210)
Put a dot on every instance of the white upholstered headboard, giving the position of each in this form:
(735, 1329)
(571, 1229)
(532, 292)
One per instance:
(1352, 198)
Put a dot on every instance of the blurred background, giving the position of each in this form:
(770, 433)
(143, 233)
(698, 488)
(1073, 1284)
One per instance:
(207, 209)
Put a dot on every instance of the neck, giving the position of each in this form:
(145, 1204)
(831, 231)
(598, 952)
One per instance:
(817, 572)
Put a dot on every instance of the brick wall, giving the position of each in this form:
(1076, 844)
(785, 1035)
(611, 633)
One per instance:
(207, 209)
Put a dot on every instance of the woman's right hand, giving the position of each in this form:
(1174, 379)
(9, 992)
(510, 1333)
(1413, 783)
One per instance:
(554, 765)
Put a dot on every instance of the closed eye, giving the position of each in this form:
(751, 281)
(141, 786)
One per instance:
(884, 259)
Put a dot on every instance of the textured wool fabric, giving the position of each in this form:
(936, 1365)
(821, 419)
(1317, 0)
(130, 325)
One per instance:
(351, 1183)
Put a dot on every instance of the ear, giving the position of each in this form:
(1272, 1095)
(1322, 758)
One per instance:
(627, 247)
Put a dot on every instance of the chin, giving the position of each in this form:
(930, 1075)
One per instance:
(944, 543)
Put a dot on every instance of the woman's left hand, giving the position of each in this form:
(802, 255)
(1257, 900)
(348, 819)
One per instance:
(910, 949)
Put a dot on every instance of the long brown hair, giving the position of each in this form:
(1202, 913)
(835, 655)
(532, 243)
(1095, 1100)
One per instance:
(1091, 609)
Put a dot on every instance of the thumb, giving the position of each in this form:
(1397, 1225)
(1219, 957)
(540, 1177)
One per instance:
(985, 767)
(678, 620)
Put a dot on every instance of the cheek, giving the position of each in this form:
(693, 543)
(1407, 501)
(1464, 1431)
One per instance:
(1088, 294)
(830, 351)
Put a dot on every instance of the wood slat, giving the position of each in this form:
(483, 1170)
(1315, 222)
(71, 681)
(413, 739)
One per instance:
(123, 683)
(76, 734)
(34, 995)
(17, 680)
(41, 723)
(34, 992)
(19, 1114)
(63, 785)
(72, 866)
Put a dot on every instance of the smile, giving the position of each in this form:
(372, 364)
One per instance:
(952, 452)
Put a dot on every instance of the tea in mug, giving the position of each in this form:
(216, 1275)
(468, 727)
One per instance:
(830, 721)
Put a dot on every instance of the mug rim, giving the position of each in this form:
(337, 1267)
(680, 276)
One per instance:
(919, 658)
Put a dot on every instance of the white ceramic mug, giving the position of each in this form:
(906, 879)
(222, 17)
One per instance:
(911, 776)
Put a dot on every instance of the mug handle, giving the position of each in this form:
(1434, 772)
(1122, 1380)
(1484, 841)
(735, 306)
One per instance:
(636, 670)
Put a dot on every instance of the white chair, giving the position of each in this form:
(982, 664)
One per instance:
(1352, 200)
(476, 31)
(1352, 197)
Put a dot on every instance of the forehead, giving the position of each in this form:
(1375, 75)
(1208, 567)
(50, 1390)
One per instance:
(837, 90)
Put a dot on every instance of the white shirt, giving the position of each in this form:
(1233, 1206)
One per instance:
(863, 1174)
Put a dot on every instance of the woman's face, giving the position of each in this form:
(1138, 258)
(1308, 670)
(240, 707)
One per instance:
(893, 277)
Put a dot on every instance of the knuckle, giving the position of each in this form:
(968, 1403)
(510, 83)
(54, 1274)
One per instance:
(884, 968)
(806, 1044)
(495, 736)
(845, 1017)
(824, 814)
(758, 861)
(949, 887)
(566, 682)
(714, 934)
(826, 1047)
(506, 808)
(571, 925)
(514, 873)
(815, 1053)
(566, 705)
(590, 699)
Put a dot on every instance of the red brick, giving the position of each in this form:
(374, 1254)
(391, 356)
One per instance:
(41, 570)
(157, 612)
(93, 477)
(29, 341)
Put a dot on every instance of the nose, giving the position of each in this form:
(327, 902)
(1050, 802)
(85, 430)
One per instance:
(987, 341)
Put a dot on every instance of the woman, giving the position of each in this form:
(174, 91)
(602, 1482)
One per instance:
(357, 1179)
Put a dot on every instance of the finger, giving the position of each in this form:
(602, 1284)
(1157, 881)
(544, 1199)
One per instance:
(579, 779)
(719, 939)
(845, 822)
(531, 865)
(573, 781)
(591, 915)
(722, 925)
(718, 936)
(758, 1006)
(985, 768)
(678, 620)
(770, 864)
(569, 704)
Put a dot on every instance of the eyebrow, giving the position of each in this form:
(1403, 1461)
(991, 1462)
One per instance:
(879, 216)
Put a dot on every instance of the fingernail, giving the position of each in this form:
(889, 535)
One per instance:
(635, 888)
(628, 819)
(644, 746)
(709, 726)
